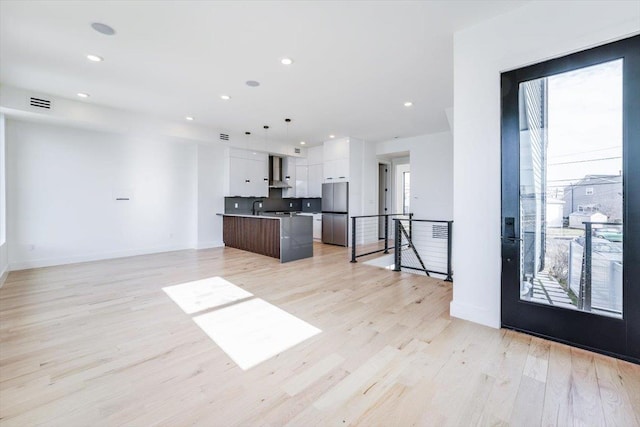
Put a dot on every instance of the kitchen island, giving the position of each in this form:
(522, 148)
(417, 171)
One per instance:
(287, 237)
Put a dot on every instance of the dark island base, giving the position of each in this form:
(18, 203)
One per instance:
(285, 237)
(260, 235)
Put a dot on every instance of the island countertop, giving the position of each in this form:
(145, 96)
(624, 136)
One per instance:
(288, 239)
(253, 216)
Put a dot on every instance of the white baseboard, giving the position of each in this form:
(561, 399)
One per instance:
(3, 276)
(4, 266)
(475, 314)
(209, 245)
(49, 262)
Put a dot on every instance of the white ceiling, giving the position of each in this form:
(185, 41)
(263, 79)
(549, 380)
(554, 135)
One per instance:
(356, 62)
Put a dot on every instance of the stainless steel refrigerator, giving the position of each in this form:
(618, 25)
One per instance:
(335, 213)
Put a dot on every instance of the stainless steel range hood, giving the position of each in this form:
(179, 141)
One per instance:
(275, 173)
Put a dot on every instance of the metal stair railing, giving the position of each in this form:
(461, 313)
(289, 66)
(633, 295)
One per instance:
(365, 234)
(421, 246)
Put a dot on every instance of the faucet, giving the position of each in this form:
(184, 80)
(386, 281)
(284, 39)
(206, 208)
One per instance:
(253, 207)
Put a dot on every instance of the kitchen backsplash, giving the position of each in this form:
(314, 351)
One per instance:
(243, 205)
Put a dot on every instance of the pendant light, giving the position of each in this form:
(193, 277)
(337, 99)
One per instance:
(266, 137)
(266, 144)
(287, 121)
(246, 139)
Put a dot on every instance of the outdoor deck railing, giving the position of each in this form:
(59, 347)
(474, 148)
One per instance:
(598, 273)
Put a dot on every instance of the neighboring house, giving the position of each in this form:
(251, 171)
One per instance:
(599, 193)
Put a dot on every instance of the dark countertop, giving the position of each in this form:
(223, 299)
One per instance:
(272, 215)
(254, 216)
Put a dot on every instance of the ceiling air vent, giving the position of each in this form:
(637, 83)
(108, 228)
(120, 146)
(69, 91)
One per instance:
(296, 150)
(40, 103)
(224, 136)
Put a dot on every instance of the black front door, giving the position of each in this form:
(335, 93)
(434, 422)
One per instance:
(571, 199)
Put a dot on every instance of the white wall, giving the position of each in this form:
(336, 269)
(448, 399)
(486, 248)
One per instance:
(370, 177)
(363, 188)
(357, 181)
(4, 260)
(530, 34)
(210, 195)
(61, 188)
(431, 165)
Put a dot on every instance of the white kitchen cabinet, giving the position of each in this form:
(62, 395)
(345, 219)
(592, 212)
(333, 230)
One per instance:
(336, 157)
(259, 178)
(336, 170)
(237, 176)
(308, 173)
(317, 226)
(315, 155)
(248, 174)
(302, 181)
(289, 173)
(336, 149)
(315, 181)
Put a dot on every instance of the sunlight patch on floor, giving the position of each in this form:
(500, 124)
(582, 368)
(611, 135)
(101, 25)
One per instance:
(253, 331)
(386, 261)
(249, 330)
(205, 294)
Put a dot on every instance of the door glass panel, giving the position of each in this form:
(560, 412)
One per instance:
(571, 205)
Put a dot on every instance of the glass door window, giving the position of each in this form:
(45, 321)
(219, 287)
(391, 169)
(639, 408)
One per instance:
(571, 199)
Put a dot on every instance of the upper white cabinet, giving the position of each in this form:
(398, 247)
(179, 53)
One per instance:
(314, 167)
(315, 155)
(248, 173)
(315, 181)
(336, 160)
(336, 149)
(336, 170)
(289, 175)
(309, 173)
(302, 180)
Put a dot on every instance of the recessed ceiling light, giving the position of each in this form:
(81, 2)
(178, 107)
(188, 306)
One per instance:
(286, 61)
(253, 83)
(332, 136)
(302, 143)
(103, 28)
(83, 95)
(408, 104)
(189, 118)
(225, 97)
(95, 58)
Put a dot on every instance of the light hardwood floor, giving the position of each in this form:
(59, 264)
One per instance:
(100, 343)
